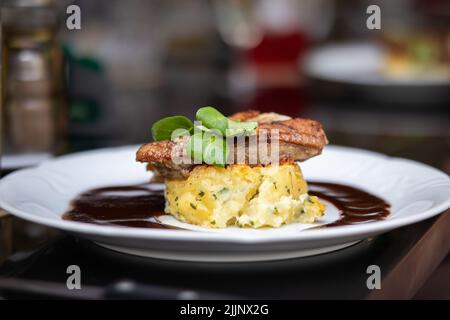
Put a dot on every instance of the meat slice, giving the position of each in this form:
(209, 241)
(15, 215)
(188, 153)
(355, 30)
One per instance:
(253, 115)
(299, 140)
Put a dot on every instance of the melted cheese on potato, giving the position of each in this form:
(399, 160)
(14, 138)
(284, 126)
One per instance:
(244, 196)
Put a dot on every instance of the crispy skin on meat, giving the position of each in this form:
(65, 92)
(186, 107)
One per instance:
(299, 139)
(159, 154)
(301, 132)
(248, 115)
(253, 115)
(158, 151)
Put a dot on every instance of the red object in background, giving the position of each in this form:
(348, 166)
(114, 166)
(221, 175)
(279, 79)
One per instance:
(276, 63)
(291, 101)
(279, 48)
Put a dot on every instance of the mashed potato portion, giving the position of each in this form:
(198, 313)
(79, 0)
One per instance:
(243, 196)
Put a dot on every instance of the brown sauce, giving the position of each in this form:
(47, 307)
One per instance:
(354, 205)
(130, 206)
(140, 206)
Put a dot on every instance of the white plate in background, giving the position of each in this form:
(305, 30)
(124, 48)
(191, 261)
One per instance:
(361, 63)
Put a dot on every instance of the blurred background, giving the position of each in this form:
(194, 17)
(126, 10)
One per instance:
(136, 61)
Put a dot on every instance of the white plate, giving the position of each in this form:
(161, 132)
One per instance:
(43, 194)
(361, 63)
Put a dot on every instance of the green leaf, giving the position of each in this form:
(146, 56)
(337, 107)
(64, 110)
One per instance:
(212, 119)
(215, 149)
(195, 147)
(162, 129)
(236, 128)
(209, 148)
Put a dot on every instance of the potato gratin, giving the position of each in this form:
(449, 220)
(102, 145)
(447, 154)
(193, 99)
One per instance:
(241, 195)
(244, 195)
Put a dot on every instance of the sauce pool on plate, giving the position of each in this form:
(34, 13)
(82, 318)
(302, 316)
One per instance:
(140, 206)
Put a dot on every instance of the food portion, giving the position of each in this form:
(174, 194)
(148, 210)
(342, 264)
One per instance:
(260, 196)
(226, 184)
(299, 140)
(420, 56)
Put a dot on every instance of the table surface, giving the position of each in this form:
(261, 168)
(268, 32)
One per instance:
(406, 257)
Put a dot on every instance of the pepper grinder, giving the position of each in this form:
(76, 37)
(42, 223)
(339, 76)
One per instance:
(34, 108)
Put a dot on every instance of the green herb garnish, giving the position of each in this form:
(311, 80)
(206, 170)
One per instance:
(207, 142)
(208, 148)
(236, 128)
(195, 147)
(215, 150)
(223, 190)
(163, 129)
(211, 118)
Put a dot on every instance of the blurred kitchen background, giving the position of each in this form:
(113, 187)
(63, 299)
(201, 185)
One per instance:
(136, 61)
